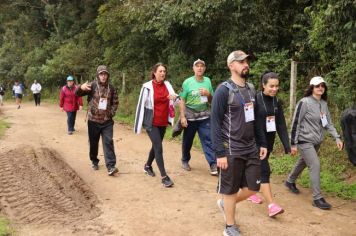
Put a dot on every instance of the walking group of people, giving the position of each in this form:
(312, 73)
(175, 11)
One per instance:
(237, 127)
(18, 90)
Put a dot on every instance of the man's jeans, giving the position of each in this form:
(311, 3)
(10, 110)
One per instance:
(203, 128)
(105, 130)
(71, 115)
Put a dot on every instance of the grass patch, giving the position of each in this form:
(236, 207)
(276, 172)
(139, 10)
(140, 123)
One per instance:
(336, 169)
(5, 229)
(3, 126)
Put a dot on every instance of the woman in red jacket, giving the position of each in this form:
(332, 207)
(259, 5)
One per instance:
(70, 103)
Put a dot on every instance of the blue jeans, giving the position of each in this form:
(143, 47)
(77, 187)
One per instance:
(71, 115)
(203, 128)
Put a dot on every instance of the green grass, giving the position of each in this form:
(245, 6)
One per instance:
(5, 229)
(3, 126)
(336, 170)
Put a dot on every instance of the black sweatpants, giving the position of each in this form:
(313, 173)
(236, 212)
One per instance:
(156, 135)
(105, 130)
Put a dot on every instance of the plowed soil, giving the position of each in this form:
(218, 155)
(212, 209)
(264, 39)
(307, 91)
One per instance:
(47, 187)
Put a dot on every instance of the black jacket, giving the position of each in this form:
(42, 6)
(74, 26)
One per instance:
(271, 106)
(348, 125)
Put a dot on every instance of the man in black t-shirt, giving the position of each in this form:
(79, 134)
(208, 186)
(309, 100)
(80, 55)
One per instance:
(234, 139)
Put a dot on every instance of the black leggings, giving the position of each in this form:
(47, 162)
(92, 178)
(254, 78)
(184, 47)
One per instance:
(265, 170)
(156, 135)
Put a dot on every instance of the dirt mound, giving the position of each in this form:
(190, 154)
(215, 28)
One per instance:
(37, 187)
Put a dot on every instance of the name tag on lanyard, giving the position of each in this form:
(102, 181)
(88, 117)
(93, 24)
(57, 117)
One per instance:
(324, 121)
(271, 123)
(103, 102)
(249, 112)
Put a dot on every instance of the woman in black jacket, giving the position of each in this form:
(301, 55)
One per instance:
(270, 118)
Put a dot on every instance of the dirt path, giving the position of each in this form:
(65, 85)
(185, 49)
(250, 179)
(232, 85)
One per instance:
(47, 187)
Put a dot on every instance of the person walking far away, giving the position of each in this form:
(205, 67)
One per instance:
(310, 119)
(234, 139)
(196, 96)
(155, 110)
(2, 94)
(102, 106)
(70, 103)
(36, 90)
(270, 119)
(17, 91)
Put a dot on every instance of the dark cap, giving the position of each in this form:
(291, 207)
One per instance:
(102, 68)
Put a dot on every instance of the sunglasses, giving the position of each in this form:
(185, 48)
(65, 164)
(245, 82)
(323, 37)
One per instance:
(320, 85)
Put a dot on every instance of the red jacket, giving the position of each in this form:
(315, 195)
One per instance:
(68, 100)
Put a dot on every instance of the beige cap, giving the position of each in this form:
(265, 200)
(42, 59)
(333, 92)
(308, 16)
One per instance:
(237, 56)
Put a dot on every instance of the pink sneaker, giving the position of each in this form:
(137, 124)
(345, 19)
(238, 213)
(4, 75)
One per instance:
(255, 199)
(274, 209)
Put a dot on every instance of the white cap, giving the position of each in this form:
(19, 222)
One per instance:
(199, 61)
(317, 80)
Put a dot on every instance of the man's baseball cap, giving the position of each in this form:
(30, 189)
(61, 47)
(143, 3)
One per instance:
(102, 68)
(70, 78)
(237, 56)
(317, 80)
(199, 61)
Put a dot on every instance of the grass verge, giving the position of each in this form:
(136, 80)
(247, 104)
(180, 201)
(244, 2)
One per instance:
(337, 175)
(5, 229)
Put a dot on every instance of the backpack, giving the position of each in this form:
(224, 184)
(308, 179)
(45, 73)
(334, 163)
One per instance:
(233, 90)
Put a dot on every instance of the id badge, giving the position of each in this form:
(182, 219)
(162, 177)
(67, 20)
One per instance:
(249, 112)
(203, 99)
(271, 123)
(103, 102)
(324, 121)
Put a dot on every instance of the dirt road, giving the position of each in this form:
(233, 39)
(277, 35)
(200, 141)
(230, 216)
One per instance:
(47, 187)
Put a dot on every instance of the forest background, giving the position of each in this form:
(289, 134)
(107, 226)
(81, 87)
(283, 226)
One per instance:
(47, 40)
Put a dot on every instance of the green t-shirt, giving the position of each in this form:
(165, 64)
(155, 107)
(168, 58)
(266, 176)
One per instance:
(191, 95)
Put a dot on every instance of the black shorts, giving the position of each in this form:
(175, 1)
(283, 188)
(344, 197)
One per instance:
(18, 95)
(243, 171)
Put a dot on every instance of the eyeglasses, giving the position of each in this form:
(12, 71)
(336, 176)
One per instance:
(320, 85)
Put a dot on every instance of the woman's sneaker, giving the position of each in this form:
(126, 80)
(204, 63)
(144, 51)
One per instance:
(255, 199)
(274, 209)
(149, 171)
(167, 182)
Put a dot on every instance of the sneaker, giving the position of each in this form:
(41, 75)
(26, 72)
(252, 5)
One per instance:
(186, 166)
(231, 231)
(291, 187)
(70, 132)
(95, 167)
(112, 171)
(220, 203)
(18, 107)
(167, 182)
(149, 171)
(255, 199)
(322, 204)
(214, 169)
(274, 209)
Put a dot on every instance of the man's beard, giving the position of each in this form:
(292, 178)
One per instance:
(245, 73)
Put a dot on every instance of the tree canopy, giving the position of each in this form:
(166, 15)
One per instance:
(50, 39)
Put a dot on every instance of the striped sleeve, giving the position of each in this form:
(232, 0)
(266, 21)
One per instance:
(297, 118)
